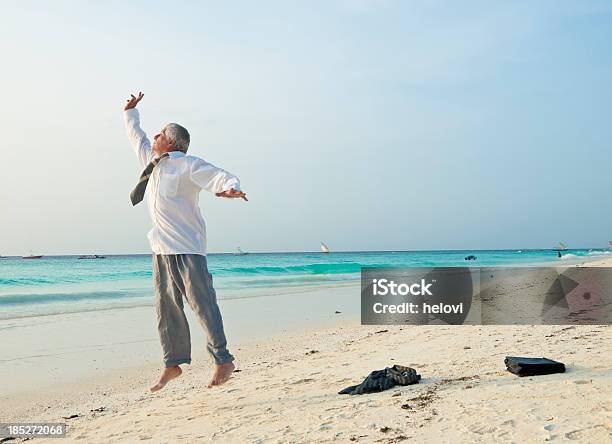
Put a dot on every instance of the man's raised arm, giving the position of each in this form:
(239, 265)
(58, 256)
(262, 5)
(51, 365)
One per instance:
(138, 138)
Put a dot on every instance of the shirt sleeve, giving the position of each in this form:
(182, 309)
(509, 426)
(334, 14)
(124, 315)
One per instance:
(210, 178)
(139, 140)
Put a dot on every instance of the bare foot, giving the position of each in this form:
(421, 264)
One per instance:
(167, 375)
(222, 374)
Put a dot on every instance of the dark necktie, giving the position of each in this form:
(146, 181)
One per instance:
(138, 192)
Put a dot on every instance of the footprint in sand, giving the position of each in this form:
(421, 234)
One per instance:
(481, 429)
(303, 381)
(596, 433)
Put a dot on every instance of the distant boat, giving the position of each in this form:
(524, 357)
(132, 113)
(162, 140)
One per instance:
(610, 244)
(240, 252)
(32, 256)
(324, 248)
(91, 256)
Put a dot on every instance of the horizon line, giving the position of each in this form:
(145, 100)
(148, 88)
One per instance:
(320, 252)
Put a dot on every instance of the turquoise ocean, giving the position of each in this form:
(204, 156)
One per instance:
(66, 284)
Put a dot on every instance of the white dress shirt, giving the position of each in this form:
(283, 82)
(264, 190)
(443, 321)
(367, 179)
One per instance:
(172, 193)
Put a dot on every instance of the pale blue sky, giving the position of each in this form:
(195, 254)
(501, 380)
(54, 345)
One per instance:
(372, 125)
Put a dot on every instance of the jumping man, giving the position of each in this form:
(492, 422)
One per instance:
(172, 181)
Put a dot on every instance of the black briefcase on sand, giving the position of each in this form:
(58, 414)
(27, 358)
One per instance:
(533, 366)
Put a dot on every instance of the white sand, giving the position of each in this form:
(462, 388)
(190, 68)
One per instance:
(286, 393)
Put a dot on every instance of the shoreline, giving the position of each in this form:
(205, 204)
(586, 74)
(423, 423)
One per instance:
(276, 291)
(290, 373)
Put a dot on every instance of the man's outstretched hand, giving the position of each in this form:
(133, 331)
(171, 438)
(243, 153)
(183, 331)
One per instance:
(133, 101)
(232, 194)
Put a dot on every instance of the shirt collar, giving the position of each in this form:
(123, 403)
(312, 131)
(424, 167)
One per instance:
(175, 154)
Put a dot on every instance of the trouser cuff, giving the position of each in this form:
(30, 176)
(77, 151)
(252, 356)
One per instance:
(223, 360)
(175, 362)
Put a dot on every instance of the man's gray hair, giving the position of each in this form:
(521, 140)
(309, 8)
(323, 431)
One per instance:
(180, 135)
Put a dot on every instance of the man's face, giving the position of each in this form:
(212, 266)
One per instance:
(161, 143)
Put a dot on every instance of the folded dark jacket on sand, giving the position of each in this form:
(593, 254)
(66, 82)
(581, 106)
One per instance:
(380, 380)
(533, 366)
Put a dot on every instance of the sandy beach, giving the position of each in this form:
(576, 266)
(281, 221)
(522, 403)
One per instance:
(287, 384)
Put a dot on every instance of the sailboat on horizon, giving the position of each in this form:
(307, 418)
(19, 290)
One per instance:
(324, 248)
(240, 252)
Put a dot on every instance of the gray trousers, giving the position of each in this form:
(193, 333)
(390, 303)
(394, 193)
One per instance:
(186, 275)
